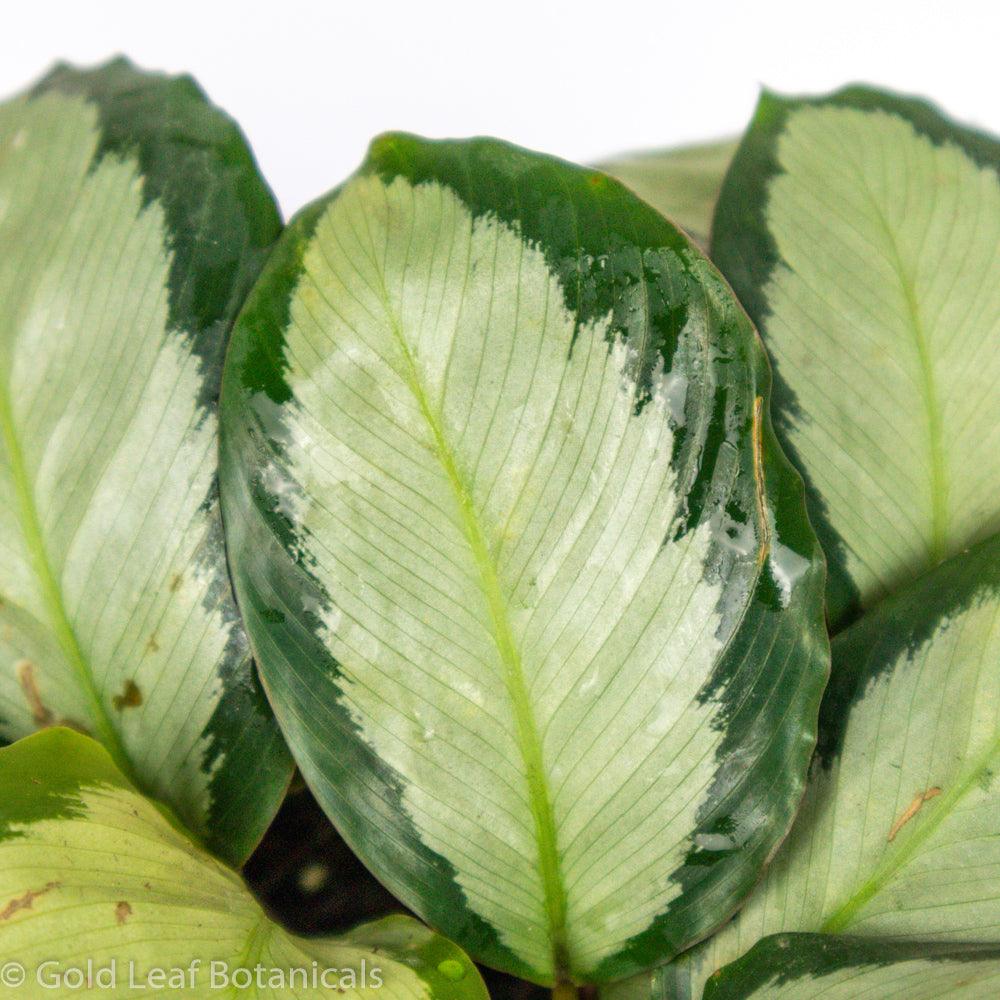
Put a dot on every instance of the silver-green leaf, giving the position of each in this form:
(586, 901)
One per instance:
(531, 587)
(132, 221)
(862, 233)
(813, 966)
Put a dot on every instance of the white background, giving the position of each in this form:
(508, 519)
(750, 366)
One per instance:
(312, 82)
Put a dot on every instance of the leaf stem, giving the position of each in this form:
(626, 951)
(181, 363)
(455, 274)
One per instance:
(564, 990)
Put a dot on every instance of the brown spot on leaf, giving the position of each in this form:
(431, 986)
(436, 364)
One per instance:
(153, 644)
(122, 912)
(25, 670)
(26, 901)
(911, 810)
(42, 715)
(175, 582)
(131, 697)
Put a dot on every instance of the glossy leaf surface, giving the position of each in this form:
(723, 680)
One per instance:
(90, 869)
(132, 221)
(899, 832)
(683, 184)
(529, 582)
(813, 966)
(862, 233)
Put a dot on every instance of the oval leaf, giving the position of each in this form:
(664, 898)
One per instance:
(898, 835)
(862, 232)
(91, 871)
(683, 184)
(807, 966)
(132, 220)
(529, 582)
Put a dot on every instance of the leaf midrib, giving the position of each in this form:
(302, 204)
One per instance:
(528, 739)
(27, 511)
(258, 941)
(938, 541)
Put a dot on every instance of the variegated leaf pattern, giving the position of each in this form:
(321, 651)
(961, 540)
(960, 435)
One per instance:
(821, 967)
(132, 221)
(94, 877)
(862, 233)
(683, 183)
(898, 836)
(530, 584)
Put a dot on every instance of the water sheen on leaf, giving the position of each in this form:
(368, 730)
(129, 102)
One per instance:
(529, 582)
(92, 870)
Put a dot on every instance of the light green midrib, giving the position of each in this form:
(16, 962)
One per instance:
(934, 816)
(529, 742)
(50, 592)
(938, 542)
(253, 954)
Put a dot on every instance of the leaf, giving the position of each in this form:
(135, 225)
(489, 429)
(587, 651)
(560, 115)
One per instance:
(862, 232)
(807, 966)
(529, 583)
(132, 221)
(898, 835)
(92, 870)
(683, 184)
